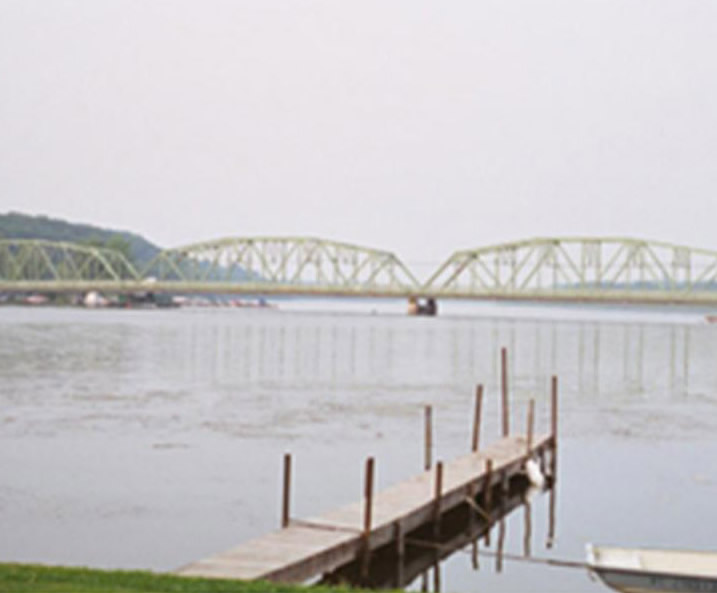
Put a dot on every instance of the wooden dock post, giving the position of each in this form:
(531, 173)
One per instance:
(427, 462)
(529, 428)
(368, 495)
(437, 494)
(437, 575)
(488, 497)
(504, 391)
(527, 529)
(471, 494)
(551, 519)
(554, 425)
(553, 459)
(400, 538)
(286, 496)
(501, 543)
(477, 418)
(472, 525)
(368, 509)
(428, 440)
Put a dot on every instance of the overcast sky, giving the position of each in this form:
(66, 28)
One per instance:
(418, 127)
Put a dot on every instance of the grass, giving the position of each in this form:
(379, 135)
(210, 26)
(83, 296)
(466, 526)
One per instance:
(32, 578)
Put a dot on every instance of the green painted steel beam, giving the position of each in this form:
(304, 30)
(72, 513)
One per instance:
(34, 259)
(296, 261)
(262, 289)
(596, 267)
(572, 269)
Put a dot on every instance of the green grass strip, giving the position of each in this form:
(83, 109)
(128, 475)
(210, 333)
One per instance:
(32, 578)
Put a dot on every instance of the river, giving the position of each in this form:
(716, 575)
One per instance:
(149, 439)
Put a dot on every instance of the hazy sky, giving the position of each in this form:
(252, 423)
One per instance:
(418, 127)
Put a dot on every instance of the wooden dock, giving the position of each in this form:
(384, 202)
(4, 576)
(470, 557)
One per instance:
(307, 549)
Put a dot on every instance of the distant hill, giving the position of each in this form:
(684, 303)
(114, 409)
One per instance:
(22, 226)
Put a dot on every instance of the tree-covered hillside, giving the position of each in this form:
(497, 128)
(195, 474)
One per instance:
(21, 226)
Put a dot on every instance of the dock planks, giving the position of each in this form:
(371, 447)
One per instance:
(309, 548)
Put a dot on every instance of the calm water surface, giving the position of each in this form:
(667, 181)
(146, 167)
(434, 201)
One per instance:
(149, 439)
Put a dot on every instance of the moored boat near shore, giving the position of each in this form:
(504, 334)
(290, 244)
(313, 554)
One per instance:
(635, 570)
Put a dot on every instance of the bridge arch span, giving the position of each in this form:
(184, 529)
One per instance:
(580, 268)
(52, 262)
(304, 265)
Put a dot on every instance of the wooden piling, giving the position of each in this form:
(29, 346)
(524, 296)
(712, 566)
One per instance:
(553, 459)
(437, 575)
(368, 496)
(504, 391)
(477, 418)
(501, 544)
(472, 491)
(530, 427)
(368, 509)
(504, 492)
(428, 437)
(551, 518)
(527, 529)
(400, 538)
(437, 502)
(286, 495)
(471, 494)
(488, 496)
(554, 425)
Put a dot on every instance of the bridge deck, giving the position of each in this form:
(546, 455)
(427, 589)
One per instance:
(309, 548)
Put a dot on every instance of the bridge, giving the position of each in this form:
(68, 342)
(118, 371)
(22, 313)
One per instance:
(568, 269)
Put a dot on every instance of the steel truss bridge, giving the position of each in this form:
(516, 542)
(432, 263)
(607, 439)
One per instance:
(573, 269)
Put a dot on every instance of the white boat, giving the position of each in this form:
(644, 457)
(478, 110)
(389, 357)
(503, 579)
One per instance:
(639, 570)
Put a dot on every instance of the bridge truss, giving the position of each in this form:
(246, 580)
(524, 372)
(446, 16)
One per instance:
(580, 269)
(37, 262)
(550, 269)
(276, 265)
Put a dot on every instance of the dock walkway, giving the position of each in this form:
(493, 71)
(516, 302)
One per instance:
(309, 548)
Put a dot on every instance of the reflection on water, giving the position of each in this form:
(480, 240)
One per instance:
(151, 439)
(273, 373)
(327, 350)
